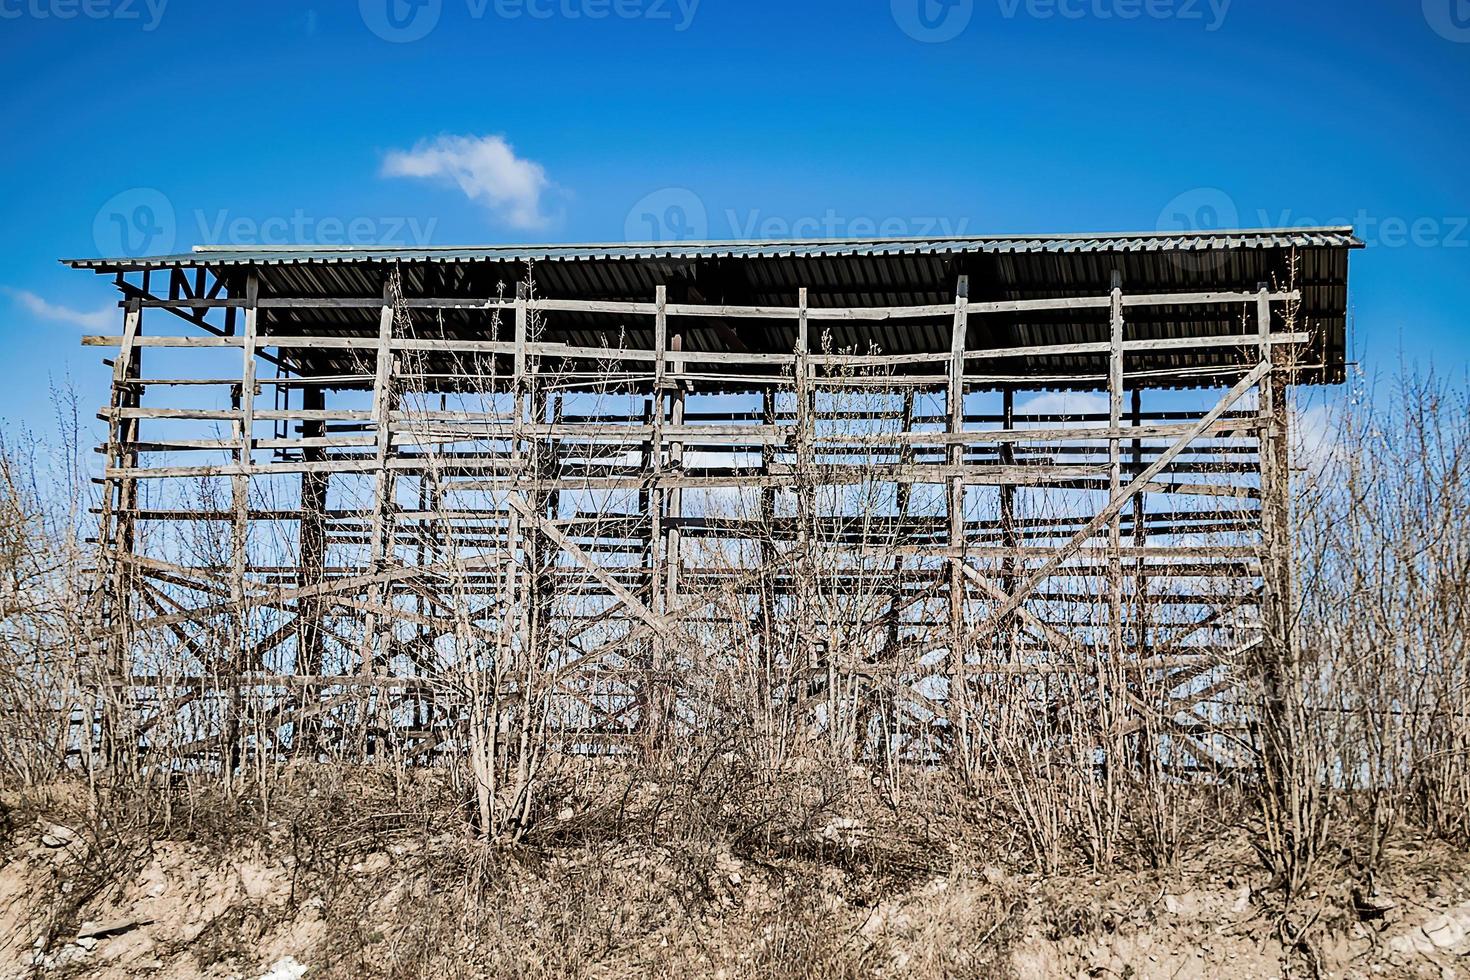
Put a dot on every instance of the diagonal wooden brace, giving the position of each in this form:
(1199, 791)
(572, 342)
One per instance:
(1124, 496)
(657, 622)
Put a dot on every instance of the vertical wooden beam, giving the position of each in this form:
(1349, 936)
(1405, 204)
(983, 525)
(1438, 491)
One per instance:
(240, 483)
(658, 706)
(1115, 469)
(375, 645)
(1010, 539)
(1275, 466)
(114, 700)
(1140, 541)
(804, 426)
(769, 597)
(378, 627)
(955, 401)
(676, 463)
(311, 634)
(240, 538)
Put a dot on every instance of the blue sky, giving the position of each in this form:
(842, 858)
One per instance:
(479, 121)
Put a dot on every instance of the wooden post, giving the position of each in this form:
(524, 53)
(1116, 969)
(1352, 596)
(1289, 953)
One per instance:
(378, 629)
(1010, 539)
(240, 538)
(676, 464)
(658, 706)
(311, 635)
(955, 401)
(120, 502)
(1115, 471)
(1140, 541)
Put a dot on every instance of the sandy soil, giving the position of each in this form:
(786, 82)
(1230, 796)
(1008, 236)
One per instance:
(282, 904)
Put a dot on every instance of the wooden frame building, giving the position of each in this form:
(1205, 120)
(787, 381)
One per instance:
(897, 491)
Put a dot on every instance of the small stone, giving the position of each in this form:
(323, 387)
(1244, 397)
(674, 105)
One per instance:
(566, 814)
(58, 836)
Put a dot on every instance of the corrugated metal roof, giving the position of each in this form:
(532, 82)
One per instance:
(1338, 237)
(840, 273)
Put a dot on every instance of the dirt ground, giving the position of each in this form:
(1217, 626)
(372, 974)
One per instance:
(322, 890)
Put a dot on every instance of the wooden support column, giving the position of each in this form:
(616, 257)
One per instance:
(378, 625)
(658, 693)
(769, 604)
(245, 434)
(311, 634)
(239, 642)
(676, 464)
(121, 498)
(120, 501)
(1275, 465)
(1115, 470)
(1010, 540)
(955, 510)
(804, 428)
(1140, 541)
(804, 570)
(517, 577)
(955, 401)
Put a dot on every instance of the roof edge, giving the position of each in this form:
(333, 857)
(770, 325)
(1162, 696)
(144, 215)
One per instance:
(920, 243)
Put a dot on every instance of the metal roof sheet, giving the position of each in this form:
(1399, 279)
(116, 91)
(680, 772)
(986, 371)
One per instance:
(1339, 237)
(836, 273)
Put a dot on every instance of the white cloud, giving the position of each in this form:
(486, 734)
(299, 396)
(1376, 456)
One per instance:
(1316, 439)
(485, 168)
(39, 306)
(1069, 404)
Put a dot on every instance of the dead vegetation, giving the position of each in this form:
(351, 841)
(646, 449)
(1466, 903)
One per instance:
(796, 832)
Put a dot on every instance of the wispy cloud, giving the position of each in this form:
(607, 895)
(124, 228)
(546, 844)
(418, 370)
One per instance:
(486, 169)
(42, 308)
(1069, 404)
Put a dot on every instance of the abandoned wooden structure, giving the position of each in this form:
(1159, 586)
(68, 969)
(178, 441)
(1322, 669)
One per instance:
(887, 493)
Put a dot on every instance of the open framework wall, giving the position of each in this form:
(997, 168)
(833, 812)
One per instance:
(342, 523)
